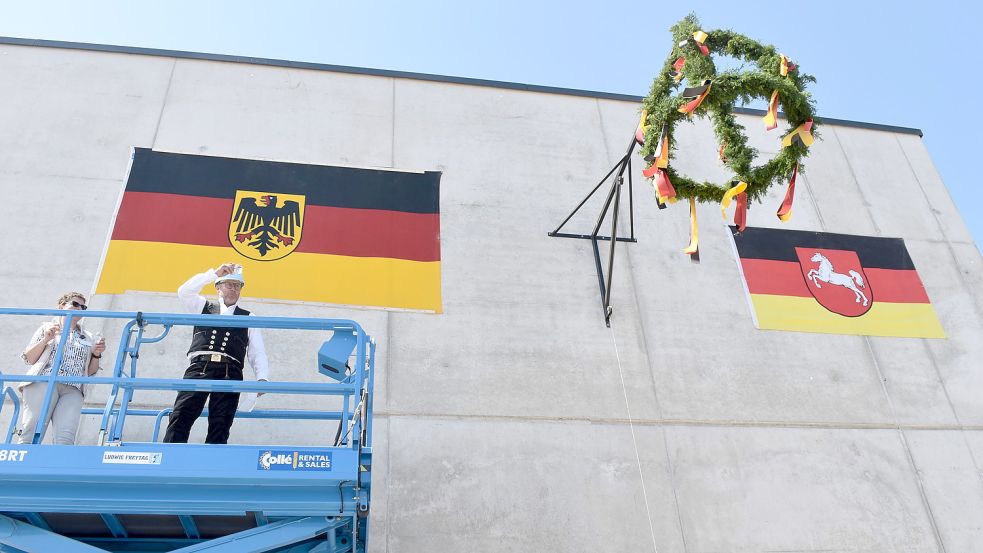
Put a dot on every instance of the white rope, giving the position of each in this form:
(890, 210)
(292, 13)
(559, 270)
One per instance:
(634, 443)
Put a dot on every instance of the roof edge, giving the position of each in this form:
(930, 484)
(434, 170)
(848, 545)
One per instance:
(395, 74)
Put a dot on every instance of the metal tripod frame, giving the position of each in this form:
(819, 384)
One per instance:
(614, 194)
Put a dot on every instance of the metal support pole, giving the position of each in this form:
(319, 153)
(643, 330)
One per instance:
(631, 203)
(614, 232)
(582, 202)
(604, 281)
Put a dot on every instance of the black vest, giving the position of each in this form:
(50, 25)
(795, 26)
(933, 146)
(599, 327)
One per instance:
(230, 341)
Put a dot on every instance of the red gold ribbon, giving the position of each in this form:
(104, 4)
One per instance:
(664, 191)
(740, 214)
(720, 153)
(771, 118)
(659, 159)
(785, 210)
(786, 66)
(677, 75)
(699, 37)
(693, 249)
(738, 188)
(698, 94)
(801, 135)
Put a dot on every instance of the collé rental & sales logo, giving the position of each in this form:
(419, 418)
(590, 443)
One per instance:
(294, 460)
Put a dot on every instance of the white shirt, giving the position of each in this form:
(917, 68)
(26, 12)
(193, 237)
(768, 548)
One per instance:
(75, 357)
(193, 302)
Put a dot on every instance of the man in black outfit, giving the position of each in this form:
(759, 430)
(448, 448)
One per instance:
(216, 353)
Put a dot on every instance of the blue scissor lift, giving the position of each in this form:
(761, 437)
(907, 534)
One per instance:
(121, 495)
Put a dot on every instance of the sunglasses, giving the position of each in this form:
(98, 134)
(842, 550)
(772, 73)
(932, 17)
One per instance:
(78, 305)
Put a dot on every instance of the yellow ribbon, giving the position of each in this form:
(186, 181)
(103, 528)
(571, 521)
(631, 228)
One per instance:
(771, 118)
(694, 240)
(803, 133)
(700, 37)
(729, 195)
(642, 127)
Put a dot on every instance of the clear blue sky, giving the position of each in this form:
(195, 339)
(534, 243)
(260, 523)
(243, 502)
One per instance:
(909, 64)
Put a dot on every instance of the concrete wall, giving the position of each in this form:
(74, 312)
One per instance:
(515, 421)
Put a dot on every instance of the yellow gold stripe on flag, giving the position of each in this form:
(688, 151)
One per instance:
(906, 320)
(321, 278)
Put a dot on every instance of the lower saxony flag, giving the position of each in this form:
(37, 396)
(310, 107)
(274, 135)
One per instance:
(833, 283)
(306, 233)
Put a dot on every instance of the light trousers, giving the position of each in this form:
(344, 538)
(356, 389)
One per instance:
(64, 415)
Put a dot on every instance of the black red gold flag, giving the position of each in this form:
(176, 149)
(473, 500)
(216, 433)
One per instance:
(833, 283)
(315, 233)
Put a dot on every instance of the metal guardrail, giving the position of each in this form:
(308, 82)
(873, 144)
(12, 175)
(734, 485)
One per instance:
(355, 390)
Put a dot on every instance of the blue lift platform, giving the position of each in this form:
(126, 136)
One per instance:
(132, 496)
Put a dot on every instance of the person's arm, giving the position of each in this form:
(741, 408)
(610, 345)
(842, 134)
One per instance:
(191, 300)
(96, 356)
(256, 352)
(39, 341)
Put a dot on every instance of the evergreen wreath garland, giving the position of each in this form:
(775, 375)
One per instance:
(662, 108)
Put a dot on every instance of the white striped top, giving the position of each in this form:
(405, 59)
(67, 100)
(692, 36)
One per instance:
(75, 358)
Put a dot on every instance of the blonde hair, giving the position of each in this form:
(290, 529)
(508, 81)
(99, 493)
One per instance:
(65, 298)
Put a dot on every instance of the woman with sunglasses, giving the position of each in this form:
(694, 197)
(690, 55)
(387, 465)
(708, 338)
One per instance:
(80, 357)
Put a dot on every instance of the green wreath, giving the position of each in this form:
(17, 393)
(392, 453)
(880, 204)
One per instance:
(662, 108)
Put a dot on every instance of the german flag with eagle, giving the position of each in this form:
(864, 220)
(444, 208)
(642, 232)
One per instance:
(312, 233)
(833, 283)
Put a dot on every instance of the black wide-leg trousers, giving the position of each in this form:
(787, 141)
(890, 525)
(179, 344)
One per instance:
(221, 406)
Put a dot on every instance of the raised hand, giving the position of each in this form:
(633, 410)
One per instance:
(52, 331)
(225, 269)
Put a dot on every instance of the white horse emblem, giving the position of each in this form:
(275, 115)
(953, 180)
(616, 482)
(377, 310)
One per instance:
(825, 273)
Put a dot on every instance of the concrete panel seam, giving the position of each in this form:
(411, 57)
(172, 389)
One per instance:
(675, 495)
(389, 358)
(904, 445)
(604, 134)
(818, 425)
(163, 104)
(945, 189)
(389, 464)
(921, 490)
(642, 331)
(392, 134)
(860, 190)
(955, 415)
(938, 223)
(812, 197)
(634, 441)
(945, 389)
(60, 176)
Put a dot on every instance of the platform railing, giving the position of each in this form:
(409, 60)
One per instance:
(5, 392)
(355, 390)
